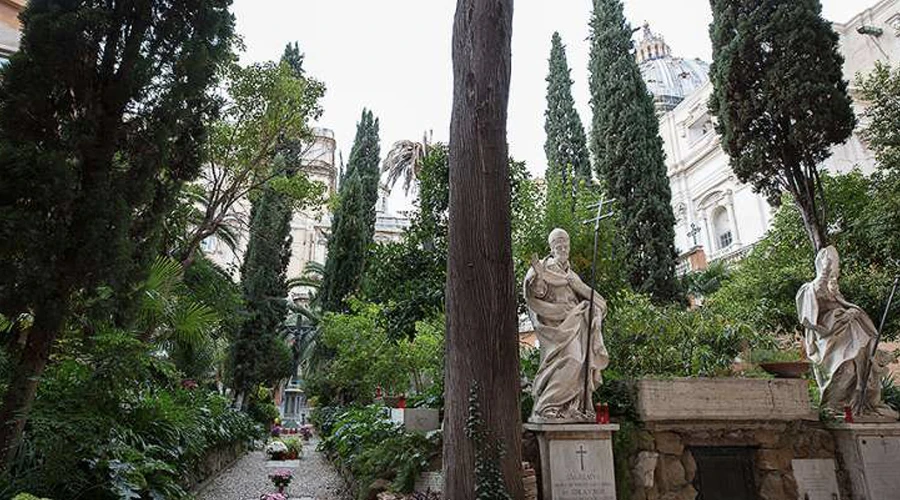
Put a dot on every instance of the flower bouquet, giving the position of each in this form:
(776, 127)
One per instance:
(276, 450)
(281, 478)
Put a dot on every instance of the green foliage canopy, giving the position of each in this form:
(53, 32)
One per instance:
(629, 156)
(266, 104)
(566, 144)
(780, 98)
(353, 223)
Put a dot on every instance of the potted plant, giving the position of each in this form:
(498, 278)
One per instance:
(781, 363)
(294, 448)
(276, 450)
(281, 478)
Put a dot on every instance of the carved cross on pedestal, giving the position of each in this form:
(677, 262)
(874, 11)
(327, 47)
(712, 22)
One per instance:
(581, 452)
(695, 230)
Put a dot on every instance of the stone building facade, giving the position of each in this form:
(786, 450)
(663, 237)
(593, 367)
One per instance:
(717, 216)
(310, 228)
(9, 27)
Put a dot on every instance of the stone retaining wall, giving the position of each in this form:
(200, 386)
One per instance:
(214, 462)
(664, 465)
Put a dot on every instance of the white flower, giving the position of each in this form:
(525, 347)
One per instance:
(276, 447)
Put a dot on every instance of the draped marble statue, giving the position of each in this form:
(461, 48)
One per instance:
(558, 304)
(840, 342)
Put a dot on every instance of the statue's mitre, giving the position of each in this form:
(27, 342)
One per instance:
(558, 234)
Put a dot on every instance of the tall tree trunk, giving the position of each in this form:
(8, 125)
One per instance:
(482, 345)
(815, 228)
(23, 383)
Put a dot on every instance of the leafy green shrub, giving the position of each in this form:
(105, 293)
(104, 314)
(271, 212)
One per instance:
(262, 408)
(294, 445)
(529, 362)
(760, 291)
(114, 422)
(644, 339)
(890, 393)
(370, 447)
(773, 356)
(366, 357)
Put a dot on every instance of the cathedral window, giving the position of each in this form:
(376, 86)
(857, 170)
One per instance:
(725, 239)
(722, 228)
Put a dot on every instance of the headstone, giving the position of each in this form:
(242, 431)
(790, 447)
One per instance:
(283, 464)
(816, 479)
(881, 461)
(576, 461)
(870, 455)
(416, 419)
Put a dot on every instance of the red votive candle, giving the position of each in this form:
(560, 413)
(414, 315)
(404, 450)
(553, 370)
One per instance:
(848, 415)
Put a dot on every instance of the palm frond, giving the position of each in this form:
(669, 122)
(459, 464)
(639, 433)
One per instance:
(404, 160)
(192, 322)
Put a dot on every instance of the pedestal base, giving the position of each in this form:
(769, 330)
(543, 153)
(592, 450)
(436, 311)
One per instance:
(870, 456)
(576, 461)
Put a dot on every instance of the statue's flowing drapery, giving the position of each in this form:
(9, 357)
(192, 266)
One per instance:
(839, 353)
(559, 305)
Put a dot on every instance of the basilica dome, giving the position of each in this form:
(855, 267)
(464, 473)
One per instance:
(669, 79)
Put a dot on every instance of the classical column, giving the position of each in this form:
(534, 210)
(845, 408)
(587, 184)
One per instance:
(710, 247)
(729, 207)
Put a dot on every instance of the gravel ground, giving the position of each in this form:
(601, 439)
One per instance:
(247, 479)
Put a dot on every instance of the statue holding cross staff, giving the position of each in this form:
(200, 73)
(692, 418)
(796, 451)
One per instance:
(567, 316)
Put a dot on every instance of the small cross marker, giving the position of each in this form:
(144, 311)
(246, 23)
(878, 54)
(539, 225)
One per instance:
(581, 452)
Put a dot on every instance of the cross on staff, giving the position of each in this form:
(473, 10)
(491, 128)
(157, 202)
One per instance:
(587, 354)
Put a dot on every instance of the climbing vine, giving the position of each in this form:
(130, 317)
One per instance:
(489, 483)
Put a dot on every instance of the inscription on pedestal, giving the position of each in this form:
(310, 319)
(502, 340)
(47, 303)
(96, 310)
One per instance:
(881, 458)
(816, 479)
(582, 470)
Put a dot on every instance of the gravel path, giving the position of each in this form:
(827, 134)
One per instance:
(248, 478)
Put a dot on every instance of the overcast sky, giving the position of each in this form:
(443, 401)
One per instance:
(393, 56)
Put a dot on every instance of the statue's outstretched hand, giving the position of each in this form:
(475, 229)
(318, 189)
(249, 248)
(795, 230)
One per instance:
(538, 266)
(539, 284)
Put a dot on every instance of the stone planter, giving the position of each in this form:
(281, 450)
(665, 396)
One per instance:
(786, 369)
(724, 399)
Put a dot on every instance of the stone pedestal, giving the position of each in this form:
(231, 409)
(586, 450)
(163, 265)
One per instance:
(416, 419)
(870, 457)
(576, 461)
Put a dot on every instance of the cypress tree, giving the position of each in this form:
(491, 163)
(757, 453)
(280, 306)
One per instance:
(101, 122)
(258, 352)
(780, 98)
(629, 156)
(566, 145)
(294, 58)
(353, 223)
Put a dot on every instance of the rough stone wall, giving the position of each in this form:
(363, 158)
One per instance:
(214, 462)
(663, 467)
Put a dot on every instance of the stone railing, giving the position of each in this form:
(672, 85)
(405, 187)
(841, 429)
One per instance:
(730, 256)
